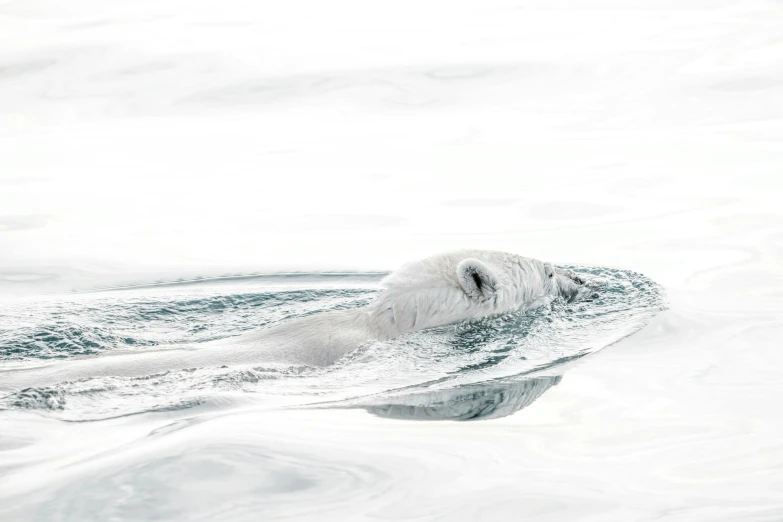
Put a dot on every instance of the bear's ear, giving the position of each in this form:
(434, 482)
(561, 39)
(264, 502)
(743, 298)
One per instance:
(476, 279)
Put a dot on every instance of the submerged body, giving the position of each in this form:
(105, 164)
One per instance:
(435, 291)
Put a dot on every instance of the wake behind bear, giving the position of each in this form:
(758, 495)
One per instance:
(435, 291)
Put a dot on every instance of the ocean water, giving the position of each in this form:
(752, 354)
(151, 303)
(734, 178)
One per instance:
(178, 176)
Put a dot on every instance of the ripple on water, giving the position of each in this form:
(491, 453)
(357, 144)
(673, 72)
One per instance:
(273, 479)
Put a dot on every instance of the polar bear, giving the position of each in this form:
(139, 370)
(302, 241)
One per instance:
(438, 290)
(435, 291)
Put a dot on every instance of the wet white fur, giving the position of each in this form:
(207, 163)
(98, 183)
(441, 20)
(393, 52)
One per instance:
(462, 285)
(438, 290)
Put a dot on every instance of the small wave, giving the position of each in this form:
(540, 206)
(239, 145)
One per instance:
(93, 323)
(38, 399)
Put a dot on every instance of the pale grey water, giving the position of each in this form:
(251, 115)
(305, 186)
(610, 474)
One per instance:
(163, 141)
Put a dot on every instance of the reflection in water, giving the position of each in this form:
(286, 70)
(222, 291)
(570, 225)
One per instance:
(476, 401)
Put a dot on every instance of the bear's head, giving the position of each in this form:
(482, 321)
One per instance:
(466, 284)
